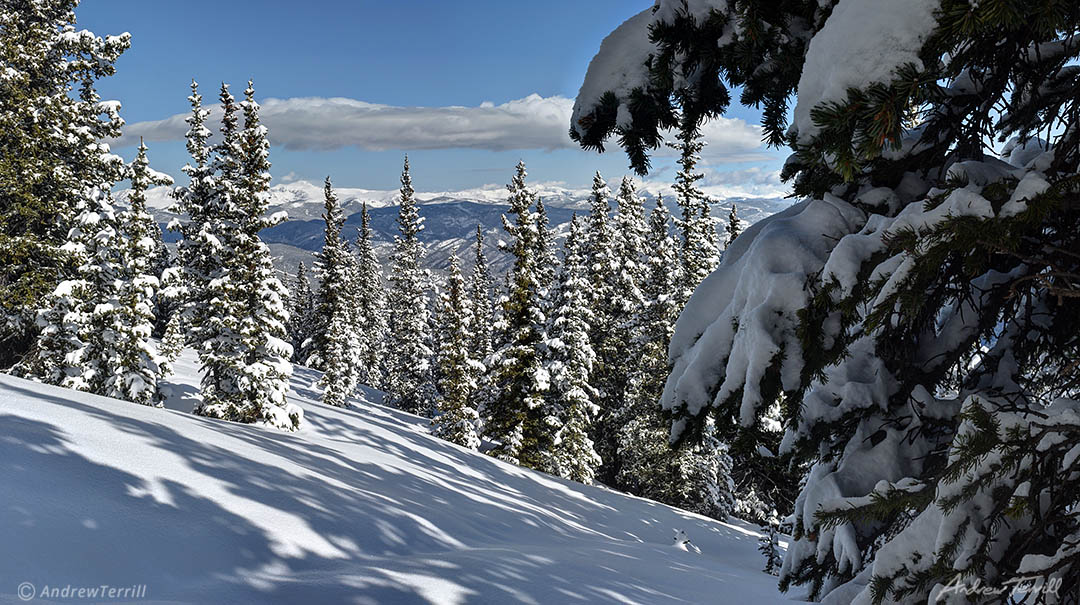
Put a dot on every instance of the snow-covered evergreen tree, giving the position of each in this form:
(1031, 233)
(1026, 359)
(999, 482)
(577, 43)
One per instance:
(734, 226)
(698, 254)
(622, 348)
(104, 318)
(514, 413)
(547, 263)
(409, 373)
(238, 319)
(172, 342)
(916, 313)
(601, 252)
(643, 446)
(53, 156)
(769, 545)
(132, 360)
(301, 315)
(336, 332)
(371, 303)
(185, 284)
(570, 359)
(480, 296)
(455, 419)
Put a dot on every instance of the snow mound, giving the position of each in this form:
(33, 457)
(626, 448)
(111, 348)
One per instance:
(360, 506)
(874, 37)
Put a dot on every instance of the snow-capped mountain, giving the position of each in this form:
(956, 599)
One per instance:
(450, 217)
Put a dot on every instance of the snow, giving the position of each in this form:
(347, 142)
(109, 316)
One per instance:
(617, 67)
(744, 313)
(360, 506)
(863, 42)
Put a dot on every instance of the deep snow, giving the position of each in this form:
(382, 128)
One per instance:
(361, 506)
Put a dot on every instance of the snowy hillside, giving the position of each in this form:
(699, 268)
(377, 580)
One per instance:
(361, 506)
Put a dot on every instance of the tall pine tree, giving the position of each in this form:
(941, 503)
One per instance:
(456, 420)
(480, 295)
(570, 360)
(301, 314)
(335, 337)
(515, 416)
(698, 254)
(238, 321)
(53, 156)
(409, 375)
(371, 303)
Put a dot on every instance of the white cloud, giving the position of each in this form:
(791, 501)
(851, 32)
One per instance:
(534, 122)
(755, 181)
(726, 140)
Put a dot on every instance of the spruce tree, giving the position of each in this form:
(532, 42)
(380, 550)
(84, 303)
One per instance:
(104, 318)
(916, 313)
(409, 375)
(546, 261)
(455, 419)
(515, 416)
(371, 303)
(335, 334)
(734, 226)
(480, 296)
(621, 348)
(698, 254)
(238, 321)
(185, 284)
(53, 155)
(643, 446)
(769, 545)
(570, 360)
(301, 315)
(600, 249)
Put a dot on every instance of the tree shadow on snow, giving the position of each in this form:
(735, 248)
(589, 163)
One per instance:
(377, 519)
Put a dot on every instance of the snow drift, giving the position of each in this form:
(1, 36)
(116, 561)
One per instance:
(362, 506)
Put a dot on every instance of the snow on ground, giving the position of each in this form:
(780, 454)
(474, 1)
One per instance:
(361, 506)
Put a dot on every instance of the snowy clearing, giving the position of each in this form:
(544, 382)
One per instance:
(361, 506)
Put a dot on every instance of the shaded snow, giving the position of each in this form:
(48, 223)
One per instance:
(360, 506)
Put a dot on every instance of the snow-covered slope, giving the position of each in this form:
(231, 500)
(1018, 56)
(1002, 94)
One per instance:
(361, 506)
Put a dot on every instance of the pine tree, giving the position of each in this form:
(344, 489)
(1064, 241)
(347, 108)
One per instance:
(301, 315)
(52, 158)
(546, 261)
(238, 321)
(409, 375)
(621, 348)
(916, 314)
(698, 255)
(734, 226)
(570, 360)
(185, 285)
(600, 249)
(480, 298)
(371, 303)
(335, 335)
(456, 420)
(172, 342)
(643, 434)
(769, 545)
(102, 341)
(515, 415)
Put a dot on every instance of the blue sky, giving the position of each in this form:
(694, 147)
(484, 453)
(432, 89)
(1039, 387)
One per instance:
(512, 67)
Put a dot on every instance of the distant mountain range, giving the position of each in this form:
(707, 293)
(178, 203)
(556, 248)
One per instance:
(450, 218)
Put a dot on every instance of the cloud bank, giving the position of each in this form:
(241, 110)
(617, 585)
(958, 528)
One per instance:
(533, 122)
